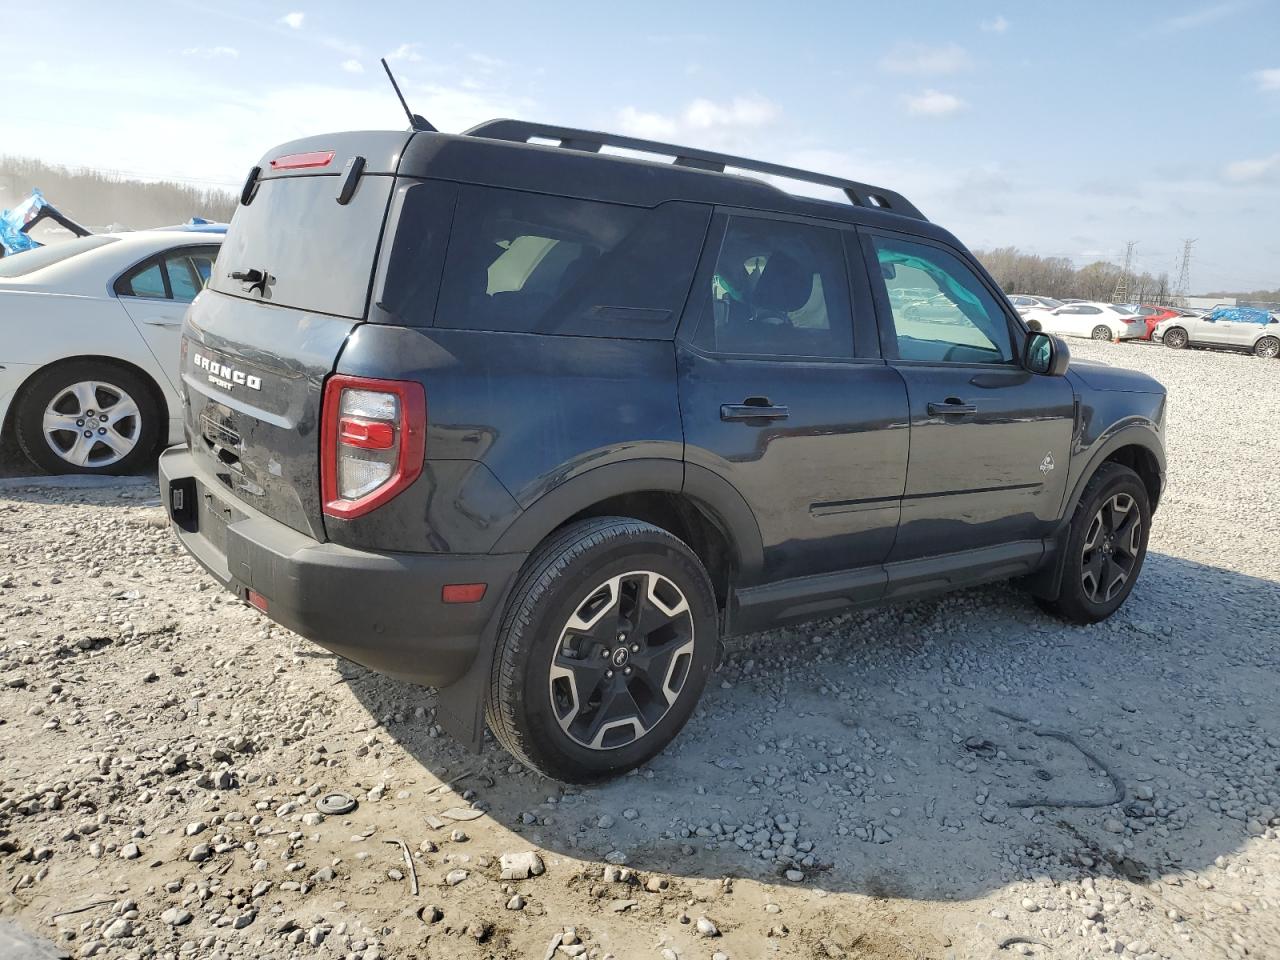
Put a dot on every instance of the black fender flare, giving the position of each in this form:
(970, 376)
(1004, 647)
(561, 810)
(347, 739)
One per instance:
(1141, 433)
(723, 505)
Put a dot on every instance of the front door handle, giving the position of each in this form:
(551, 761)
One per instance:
(753, 408)
(951, 407)
(161, 322)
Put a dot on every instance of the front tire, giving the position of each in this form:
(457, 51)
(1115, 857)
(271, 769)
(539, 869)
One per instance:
(1102, 332)
(1268, 348)
(608, 640)
(88, 416)
(1175, 338)
(1105, 547)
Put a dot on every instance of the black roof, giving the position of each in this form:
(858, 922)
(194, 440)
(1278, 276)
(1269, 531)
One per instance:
(568, 162)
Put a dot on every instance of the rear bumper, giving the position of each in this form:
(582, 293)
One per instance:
(382, 610)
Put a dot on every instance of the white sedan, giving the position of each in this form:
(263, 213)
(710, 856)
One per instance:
(89, 339)
(1097, 321)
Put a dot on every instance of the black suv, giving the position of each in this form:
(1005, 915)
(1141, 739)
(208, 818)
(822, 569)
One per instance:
(525, 416)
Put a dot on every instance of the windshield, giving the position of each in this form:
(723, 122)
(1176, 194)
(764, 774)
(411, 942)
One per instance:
(29, 261)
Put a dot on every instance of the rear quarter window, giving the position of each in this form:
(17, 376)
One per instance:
(318, 253)
(529, 263)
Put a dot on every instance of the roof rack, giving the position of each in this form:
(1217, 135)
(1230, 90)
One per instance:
(590, 141)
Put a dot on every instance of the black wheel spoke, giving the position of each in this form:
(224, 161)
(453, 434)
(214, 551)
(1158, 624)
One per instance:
(1126, 534)
(1111, 548)
(622, 660)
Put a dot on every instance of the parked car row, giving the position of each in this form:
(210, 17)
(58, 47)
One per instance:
(1240, 328)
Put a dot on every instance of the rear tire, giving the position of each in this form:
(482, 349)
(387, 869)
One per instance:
(608, 640)
(1268, 348)
(1105, 547)
(1175, 338)
(88, 416)
(1101, 332)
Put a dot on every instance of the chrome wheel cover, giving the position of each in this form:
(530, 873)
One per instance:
(621, 660)
(92, 424)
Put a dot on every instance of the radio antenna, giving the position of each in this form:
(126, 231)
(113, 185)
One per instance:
(416, 121)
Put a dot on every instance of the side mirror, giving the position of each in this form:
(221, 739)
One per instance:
(1047, 355)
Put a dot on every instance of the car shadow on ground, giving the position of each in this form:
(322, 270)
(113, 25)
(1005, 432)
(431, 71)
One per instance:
(887, 741)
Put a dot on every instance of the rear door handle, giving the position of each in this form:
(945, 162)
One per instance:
(161, 322)
(754, 408)
(951, 407)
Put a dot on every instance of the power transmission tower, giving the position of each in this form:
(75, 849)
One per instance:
(1184, 275)
(1122, 285)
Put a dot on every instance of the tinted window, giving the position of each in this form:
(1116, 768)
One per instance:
(529, 263)
(941, 311)
(318, 253)
(144, 280)
(1087, 309)
(188, 271)
(779, 289)
(29, 261)
(1049, 303)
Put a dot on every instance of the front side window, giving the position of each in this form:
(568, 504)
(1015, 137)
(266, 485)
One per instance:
(779, 290)
(941, 312)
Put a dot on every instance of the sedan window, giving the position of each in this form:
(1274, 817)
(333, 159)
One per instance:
(145, 280)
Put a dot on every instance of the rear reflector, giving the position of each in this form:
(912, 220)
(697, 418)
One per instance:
(257, 600)
(297, 161)
(463, 592)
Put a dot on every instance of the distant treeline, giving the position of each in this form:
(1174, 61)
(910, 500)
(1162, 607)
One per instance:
(99, 201)
(1019, 272)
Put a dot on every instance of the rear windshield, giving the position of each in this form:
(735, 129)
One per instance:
(317, 252)
(29, 261)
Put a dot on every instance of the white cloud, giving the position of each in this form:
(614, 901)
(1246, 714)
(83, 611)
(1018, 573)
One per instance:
(740, 112)
(934, 103)
(293, 20)
(996, 25)
(646, 125)
(1249, 171)
(1268, 79)
(212, 53)
(711, 123)
(353, 66)
(407, 52)
(923, 60)
(1202, 16)
(485, 62)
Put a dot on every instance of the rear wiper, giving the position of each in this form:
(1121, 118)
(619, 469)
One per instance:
(257, 279)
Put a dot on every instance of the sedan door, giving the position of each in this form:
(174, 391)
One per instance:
(156, 293)
(990, 441)
(776, 401)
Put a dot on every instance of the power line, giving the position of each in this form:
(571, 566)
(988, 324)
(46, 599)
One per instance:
(1184, 273)
(1122, 285)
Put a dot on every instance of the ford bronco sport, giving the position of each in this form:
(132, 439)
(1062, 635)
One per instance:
(536, 416)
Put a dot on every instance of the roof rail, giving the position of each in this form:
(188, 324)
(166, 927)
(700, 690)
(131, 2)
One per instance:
(590, 141)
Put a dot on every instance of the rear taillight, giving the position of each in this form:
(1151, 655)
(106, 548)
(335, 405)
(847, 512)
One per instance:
(301, 161)
(372, 441)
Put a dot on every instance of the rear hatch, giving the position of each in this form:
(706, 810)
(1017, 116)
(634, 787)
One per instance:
(290, 284)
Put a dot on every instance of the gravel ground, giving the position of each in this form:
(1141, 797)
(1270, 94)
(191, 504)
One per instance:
(856, 787)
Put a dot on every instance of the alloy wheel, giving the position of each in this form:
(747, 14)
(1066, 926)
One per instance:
(1102, 333)
(92, 424)
(1111, 548)
(621, 660)
(1268, 348)
(1176, 339)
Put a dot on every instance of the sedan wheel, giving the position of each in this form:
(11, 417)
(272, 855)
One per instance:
(1101, 332)
(1175, 337)
(87, 416)
(1267, 347)
(92, 424)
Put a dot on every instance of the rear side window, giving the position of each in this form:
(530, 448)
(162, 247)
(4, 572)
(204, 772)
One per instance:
(528, 263)
(779, 290)
(178, 275)
(317, 252)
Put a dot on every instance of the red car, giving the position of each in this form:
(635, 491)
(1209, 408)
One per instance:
(1151, 315)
